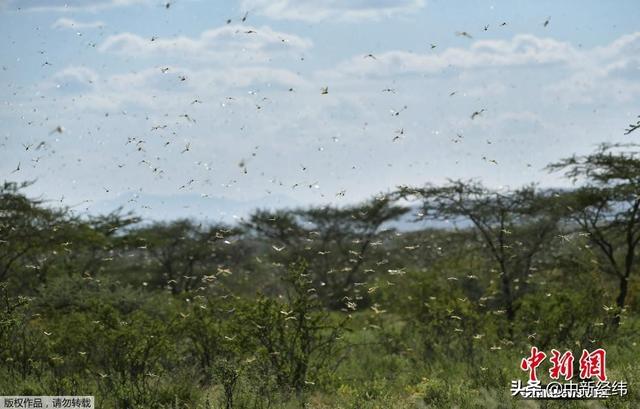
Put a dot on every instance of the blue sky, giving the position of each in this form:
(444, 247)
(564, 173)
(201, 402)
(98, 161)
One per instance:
(175, 112)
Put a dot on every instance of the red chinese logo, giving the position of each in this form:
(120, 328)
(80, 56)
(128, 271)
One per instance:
(591, 364)
(530, 364)
(562, 365)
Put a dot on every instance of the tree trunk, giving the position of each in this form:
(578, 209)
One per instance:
(508, 301)
(620, 300)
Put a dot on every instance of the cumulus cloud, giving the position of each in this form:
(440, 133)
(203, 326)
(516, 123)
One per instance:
(348, 136)
(72, 5)
(71, 24)
(607, 73)
(72, 80)
(143, 88)
(197, 79)
(486, 68)
(521, 50)
(556, 70)
(564, 73)
(318, 10)
(627, 44)
(226, 41)
(77, 74)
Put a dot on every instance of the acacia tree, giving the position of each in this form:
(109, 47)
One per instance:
(607, 207)
(336, 243)
(88, 245)
(38, 241)
(513, 225)
(184, 252)
(293, 340)
(29, 232)
(632, 127)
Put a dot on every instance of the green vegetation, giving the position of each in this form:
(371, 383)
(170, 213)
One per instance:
(327, 307)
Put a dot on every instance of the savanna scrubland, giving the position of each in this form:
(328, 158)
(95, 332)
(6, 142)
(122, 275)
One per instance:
(327, 307)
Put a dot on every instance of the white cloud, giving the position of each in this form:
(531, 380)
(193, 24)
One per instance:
(145, 87)
(607, 73)
(238, 77)
(626, 44)
(521, 50)
(72, 5)
(347, 138)
(77, 74)
(229, 41)
(563, 72)
(318, 10)
(70, 24)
